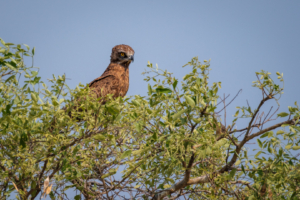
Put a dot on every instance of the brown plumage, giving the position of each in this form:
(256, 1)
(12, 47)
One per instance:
(115, 79)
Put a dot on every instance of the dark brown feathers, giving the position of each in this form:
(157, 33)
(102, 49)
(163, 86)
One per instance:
(115, 79)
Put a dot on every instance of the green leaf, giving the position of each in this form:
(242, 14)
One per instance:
(258, 153)
(100, 137)
(52, 195)
(110, 172)
(270, 150)
(13, 60)
(296, 147)
(259, 143)
(175, 84)
(283, 114)
(154, 136)
(279, 132)
(292, 109)
(69, 186)
(232, 173)
(264, 135)
(189, 100)
(138, 127)
(236, 113)
(33, 50)
(27, 46)
(33, 97)
(166, 186)
(136, 103)
(280, 152)
(178, 114)
(2, 41)
(126, 154)
(163, 90)
(10, 66)
(7, 109)
(260, 172)
(34, 73)
(288, 146)
(33, 184)
(270, 134)
(23, 139)
(77, 197)
(112, 110)
(243, 169)
(149, 89)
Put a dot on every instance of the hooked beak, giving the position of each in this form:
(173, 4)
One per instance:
(128, 59)
(131, 58)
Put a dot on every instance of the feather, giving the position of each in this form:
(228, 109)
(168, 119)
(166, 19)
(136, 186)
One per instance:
(115, 79)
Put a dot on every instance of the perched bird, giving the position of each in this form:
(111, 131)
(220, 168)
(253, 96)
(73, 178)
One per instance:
(115, 79)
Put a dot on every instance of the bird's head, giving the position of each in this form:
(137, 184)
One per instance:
(122, 54)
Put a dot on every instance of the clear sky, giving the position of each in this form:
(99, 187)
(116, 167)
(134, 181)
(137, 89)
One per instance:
(76, 37)
(240, 37)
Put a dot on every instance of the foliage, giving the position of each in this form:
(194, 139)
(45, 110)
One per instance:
(166, 145)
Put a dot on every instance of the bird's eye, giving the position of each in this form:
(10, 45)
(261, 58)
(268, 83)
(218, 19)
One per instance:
(122, 54)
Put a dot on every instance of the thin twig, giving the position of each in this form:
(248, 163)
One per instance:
(230, 101)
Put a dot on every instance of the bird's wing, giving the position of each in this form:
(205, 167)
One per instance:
(107, 84)
(99, 78)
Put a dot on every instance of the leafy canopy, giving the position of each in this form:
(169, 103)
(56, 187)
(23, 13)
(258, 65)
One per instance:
(168, 144)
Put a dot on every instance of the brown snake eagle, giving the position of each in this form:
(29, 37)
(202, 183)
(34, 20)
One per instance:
(115, 79)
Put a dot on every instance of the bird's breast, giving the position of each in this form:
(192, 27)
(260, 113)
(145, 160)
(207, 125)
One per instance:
(124, 86)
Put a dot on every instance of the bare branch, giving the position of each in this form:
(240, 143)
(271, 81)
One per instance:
(291, 122)
(230, 101)
(177, 186)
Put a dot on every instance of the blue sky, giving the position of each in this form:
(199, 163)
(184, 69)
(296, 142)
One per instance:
(240, 38)
(76, 37)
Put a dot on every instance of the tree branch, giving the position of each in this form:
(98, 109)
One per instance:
(177, 186)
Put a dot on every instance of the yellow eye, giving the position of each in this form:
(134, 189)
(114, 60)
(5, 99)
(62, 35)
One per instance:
(122, 54)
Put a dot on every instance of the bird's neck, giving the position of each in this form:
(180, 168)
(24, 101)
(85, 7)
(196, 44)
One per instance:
(119, 68)
(121, 72)
(125, 65)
